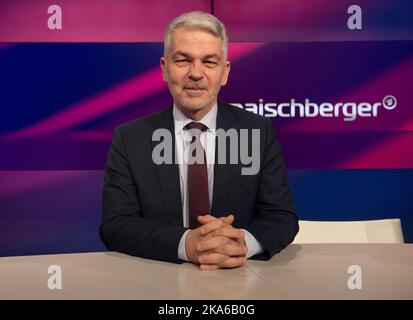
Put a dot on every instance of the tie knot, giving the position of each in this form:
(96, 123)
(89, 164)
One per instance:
(196, 125)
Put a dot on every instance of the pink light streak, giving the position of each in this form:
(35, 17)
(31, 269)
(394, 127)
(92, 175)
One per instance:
(137, 88)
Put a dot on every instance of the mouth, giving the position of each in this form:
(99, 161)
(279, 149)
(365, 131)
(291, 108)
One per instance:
(194, 92)
(194, 89)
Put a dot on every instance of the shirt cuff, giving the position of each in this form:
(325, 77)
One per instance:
(181, 247)
(254, 247)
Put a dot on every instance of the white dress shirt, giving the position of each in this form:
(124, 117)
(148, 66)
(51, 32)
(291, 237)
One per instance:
(182, 146)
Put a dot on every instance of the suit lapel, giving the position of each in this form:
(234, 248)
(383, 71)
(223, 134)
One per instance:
(223, 173)
(168, 174)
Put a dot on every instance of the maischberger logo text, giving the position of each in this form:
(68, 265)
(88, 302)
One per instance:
(349, 111)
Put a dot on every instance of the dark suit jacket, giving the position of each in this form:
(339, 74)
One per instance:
(142, 209)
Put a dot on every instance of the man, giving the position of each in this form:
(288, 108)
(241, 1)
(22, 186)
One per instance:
(207, 212)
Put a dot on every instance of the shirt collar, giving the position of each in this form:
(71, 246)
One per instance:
(181, 119)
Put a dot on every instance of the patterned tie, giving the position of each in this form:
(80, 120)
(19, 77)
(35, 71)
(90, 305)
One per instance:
(197, 177)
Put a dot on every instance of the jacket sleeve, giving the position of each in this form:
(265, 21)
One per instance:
(123, 228)
(275, 223)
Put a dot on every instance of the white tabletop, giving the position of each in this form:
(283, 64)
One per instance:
(384, 271)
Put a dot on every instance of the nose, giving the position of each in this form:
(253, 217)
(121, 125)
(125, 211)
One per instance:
(196, 71)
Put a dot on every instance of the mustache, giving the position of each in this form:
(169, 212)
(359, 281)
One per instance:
(195, 85)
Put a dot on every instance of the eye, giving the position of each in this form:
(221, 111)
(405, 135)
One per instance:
(182, 61)
(210, 63)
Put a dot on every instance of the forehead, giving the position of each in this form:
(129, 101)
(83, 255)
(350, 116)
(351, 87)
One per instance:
(195, 42)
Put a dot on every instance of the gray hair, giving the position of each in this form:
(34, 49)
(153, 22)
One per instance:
(198, 20)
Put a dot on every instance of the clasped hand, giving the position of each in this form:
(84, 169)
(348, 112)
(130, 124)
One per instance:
(216, 244)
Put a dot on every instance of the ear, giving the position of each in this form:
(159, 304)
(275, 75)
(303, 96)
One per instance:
(163, 67)
(226, 73)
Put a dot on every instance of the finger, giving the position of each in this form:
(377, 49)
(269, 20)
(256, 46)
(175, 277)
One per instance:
(212, 243)
(229, 219)
(211, 226)
(206, 267)
(203, 219)
(233, 262)
(231, 241)
(229, 232)
(232, 250)
(212, 258)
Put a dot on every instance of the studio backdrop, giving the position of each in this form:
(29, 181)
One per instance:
(335, 77)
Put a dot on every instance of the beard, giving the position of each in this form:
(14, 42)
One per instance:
(193, 103)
